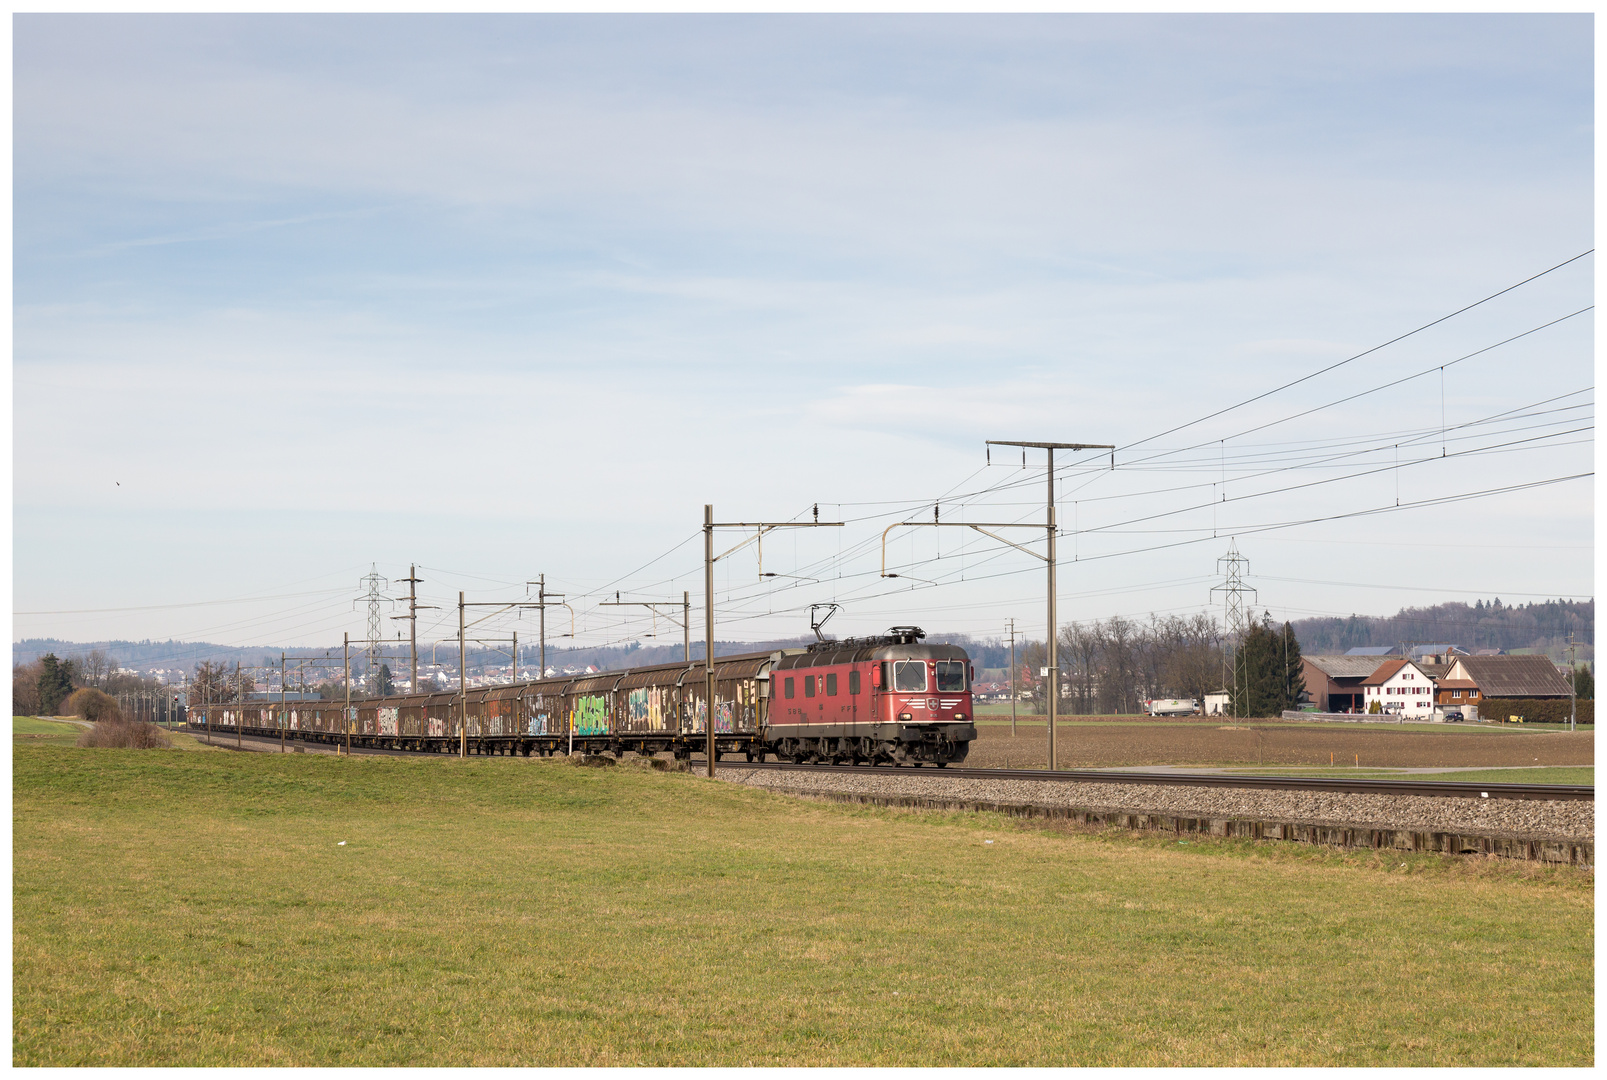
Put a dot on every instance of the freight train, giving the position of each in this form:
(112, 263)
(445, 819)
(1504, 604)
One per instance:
(881, 700)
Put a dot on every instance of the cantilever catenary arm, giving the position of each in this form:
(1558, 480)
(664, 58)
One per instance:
(967, 525)
(756, 536)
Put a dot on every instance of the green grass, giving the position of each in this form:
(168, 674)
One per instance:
(35, 725)
(35, 731)
(197, 909)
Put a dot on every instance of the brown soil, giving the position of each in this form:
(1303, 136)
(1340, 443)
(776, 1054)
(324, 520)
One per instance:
(1247, 743)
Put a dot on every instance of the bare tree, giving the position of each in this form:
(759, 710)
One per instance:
(1116, 665)
(1079, 645)
(1032, 656)
(96, 669)
(25, 689)
(215, 684)
(1120, 645)
(1188, 653)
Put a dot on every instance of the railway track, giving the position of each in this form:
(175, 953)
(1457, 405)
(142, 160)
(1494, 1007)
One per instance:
(1457, 789)
(1442, 788)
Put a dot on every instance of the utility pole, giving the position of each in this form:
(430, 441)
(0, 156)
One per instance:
(240, 705)
(708, 634)
(282, 714)
(709, 559)
(346, 661)
(542, 596)
(1012, 678)
(1053, 693)
(413, 608)
(1573, 685)
(463, 685)
(412, 625)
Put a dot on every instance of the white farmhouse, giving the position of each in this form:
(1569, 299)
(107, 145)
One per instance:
(1400, 686)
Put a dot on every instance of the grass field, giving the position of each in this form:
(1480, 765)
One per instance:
(37, 731)
(200, 909)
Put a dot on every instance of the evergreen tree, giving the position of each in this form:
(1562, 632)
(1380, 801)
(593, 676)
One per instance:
(386, 685)
(1584, 683)
(1294, 678)
(55, 683)
(1267, 671)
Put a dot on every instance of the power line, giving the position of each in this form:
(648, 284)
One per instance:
(1358, 356)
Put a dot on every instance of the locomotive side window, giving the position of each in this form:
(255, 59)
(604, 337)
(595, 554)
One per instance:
(909, 676)
(853, 681)
(831, 684)
(789, 687)
(809, 686)
(950, 676)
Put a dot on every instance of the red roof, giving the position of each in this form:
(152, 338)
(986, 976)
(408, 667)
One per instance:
(1386, 671)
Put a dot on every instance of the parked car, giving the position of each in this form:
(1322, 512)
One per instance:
(1454, 716)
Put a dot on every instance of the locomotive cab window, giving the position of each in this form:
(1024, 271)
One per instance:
(853, 681)
(789, 687)
(950, 676)
(831, 684)
(909, 676)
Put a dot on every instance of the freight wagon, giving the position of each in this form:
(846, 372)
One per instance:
(887, 699)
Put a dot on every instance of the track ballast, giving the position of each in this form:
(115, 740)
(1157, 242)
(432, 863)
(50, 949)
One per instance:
(1456, 789)
(1448, 788)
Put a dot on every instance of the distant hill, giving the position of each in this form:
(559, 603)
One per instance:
(1541, 627)
(175, 656)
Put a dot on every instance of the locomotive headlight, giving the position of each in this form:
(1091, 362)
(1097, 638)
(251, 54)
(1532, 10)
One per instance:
(959, 716)
(905, 716)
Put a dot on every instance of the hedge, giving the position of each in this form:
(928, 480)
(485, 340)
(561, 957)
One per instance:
(1535, 710)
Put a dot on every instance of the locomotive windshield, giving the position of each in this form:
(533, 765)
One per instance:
(950, 676)
(909, 676)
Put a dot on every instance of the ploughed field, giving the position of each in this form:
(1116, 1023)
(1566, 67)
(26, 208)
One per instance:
(1092, 744)
(214, 908)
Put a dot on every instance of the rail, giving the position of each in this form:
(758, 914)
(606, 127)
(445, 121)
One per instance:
(1440, 788)
(1435, 788)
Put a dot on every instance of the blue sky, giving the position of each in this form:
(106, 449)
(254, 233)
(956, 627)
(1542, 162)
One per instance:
(518, 295)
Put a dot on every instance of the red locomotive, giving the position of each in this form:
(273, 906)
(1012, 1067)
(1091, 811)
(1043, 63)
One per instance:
(872, 699)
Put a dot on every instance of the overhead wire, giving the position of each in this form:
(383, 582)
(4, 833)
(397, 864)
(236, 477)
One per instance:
(1351, 359)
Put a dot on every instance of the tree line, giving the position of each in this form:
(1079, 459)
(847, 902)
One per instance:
(1114, 666)
(40, 686)
(1544, 625)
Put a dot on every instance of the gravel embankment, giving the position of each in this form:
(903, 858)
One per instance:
(1519, 818)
